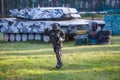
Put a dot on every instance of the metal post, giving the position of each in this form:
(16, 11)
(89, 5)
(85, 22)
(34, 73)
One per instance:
(63, 3)
(33, 3)
(2, 6)
(76, 4)
(92, 13)
(119, 3)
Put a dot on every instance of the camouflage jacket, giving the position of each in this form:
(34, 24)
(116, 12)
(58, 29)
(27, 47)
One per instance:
(56, 36)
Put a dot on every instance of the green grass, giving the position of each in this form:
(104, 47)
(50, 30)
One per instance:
(35, 60)
(95, 16)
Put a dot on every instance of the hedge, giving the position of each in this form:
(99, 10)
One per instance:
(112, 23)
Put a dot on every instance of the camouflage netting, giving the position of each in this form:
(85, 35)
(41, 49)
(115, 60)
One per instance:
(113, 23)
(114, 11)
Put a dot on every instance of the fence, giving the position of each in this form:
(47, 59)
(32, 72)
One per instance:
(80, 5)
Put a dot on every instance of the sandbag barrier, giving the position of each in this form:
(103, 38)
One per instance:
(81, 37)
(104, 37)
(93, 38)
(101, 37)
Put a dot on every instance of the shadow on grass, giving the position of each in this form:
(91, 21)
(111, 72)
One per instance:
(63, 74)
(87, 74)
(26, 53)
(25, 42)
(66, 50)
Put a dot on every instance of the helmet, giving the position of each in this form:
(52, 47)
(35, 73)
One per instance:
(55, 26)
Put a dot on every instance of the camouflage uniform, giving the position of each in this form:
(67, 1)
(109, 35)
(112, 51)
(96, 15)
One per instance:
(56, 36)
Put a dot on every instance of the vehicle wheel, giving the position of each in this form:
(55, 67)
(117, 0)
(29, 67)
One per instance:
(18, 37)
(46, 38)
(37, 36)
(12, 36)
(24, 37)
(6, 37)
(31, 36)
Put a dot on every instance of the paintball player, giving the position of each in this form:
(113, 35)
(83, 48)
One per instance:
(56, 37)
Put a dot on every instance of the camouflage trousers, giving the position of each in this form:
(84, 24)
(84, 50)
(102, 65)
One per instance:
(57, 50)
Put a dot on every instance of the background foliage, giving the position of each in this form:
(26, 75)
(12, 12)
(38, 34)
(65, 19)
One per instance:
(80, 5)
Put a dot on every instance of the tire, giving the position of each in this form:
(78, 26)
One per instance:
(46, 38)
(37, 36)
(18, 37)
(12, 36)
(31, 36)
(6, 37)
(24, 37)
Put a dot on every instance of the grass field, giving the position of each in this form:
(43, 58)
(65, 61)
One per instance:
(95, 16)
(35, 60)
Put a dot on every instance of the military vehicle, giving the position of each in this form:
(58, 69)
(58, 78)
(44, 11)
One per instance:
(31, 23)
